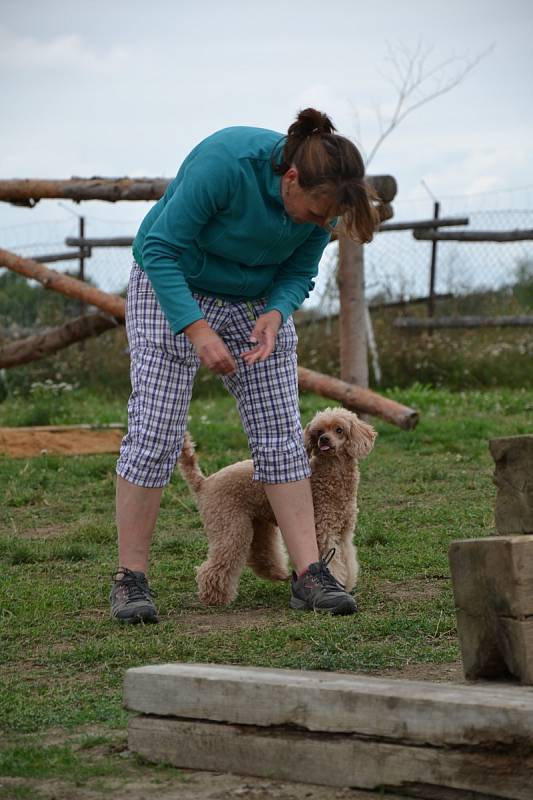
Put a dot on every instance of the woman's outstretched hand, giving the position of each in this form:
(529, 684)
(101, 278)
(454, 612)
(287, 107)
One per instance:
(210, 348)
(263, 336)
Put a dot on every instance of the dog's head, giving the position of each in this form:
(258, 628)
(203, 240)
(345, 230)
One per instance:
(338, 432)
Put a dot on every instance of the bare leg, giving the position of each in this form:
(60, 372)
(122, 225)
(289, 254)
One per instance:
(292, 504)
(137, 510)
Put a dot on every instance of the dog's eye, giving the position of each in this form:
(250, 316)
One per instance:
(339, 430)
(319, 433)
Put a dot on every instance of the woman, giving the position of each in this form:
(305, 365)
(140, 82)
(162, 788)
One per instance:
(220, 264)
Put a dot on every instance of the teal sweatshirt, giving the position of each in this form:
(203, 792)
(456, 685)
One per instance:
(221, 230)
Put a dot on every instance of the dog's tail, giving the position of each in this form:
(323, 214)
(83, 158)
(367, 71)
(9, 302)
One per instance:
(188, 464)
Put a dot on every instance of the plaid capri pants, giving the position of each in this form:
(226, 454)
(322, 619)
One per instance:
(163, 367)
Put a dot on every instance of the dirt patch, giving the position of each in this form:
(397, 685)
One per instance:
(440, 673)
(415, 588)
(204, 622)
(64, 441)
(45, 532)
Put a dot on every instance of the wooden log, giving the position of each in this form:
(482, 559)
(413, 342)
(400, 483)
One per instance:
(424, 323)
(74, 255)
(59, 282)
(439, 222)
(33, 348)
(516, 235)
(493, 591)
(413, 712)
(513, 476)
(29, 191)
(352, 328)
(334, 759)
(115, 241)
(361, 400)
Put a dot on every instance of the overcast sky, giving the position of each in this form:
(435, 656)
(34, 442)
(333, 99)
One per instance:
(124, 87)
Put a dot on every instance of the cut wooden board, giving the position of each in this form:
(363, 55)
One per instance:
(335, 759)
(416, 712)
(67, 440)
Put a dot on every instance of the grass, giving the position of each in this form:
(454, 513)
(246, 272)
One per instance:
(62, 661)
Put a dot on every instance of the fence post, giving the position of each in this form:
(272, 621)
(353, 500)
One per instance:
(352, 330)
(81, 231)
(433, 267)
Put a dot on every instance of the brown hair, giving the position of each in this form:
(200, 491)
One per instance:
(330, 164)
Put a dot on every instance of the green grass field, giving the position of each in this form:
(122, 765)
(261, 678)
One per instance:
(62, 659)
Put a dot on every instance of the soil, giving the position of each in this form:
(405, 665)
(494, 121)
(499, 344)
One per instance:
(63, 441)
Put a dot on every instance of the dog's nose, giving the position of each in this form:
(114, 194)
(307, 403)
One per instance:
(323, 439)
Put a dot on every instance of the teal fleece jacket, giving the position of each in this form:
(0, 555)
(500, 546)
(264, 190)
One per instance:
(221, 230)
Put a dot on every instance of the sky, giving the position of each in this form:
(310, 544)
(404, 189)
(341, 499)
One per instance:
(125, 87)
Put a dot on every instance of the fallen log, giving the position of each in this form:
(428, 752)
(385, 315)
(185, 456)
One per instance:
(30, 190)
(362, 400)
(33, 348)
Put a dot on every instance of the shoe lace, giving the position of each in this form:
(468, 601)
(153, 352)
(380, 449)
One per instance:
(324, 575)
(136, 586)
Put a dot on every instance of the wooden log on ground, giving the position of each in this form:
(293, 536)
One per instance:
(59, 282)
(493, 590)
(516, 235)
(33, 348)
(425, 323)
(29, 191)
(362, 400)
(412, 737)
(513, 476)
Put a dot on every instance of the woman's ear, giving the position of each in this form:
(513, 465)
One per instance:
(361, 440)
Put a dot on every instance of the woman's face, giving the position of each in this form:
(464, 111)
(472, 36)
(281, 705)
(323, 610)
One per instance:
(302, 206)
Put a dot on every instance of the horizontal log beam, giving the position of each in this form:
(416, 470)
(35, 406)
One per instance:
(115, 241)
(439, 222)
(517, 235)
(423, 323)
(29, 191)
(52, 257)
(34, 348)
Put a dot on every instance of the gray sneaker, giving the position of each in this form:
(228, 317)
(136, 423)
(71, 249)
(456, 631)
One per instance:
(131, 597)
(317, 590)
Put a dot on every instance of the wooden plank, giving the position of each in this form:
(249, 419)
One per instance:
(335, 759)
(414, 711)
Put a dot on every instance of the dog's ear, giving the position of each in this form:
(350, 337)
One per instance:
(309, 439)
(361, 439)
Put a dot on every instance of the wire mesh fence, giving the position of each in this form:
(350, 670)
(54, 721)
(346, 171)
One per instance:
(396, 265)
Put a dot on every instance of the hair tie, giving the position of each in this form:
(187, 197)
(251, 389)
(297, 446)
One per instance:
(315, 130)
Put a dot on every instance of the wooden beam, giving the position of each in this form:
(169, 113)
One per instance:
(52, 257)
(33, 348)
(517, 235)
(441, 222)
(115, 241)
(422, 323)
(29, 191)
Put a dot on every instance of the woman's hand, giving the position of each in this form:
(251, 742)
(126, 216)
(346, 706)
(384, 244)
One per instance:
(211, 350)
(264, 334)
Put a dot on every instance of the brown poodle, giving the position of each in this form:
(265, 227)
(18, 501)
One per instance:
(239, 522)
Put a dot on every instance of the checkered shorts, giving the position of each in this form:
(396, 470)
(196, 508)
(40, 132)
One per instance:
(163, 367)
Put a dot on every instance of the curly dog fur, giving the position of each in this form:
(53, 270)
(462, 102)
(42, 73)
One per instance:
(239, 522)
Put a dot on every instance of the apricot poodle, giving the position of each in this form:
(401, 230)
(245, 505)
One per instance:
(239, 522)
